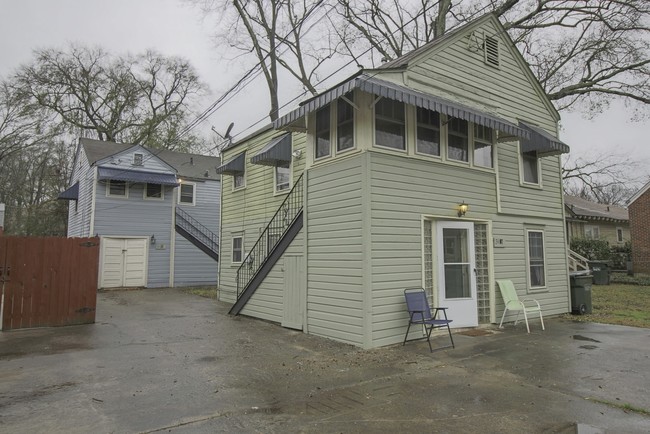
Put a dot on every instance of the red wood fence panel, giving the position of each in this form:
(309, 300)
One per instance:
(48, 281)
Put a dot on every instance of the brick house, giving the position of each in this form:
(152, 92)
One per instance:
(639, 209)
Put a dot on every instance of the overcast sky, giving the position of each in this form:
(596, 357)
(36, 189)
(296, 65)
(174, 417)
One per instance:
(173, 27)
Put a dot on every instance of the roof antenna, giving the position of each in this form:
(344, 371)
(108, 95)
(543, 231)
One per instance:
(226, 139)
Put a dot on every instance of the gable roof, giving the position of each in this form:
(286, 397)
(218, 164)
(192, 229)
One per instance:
(639, 193)
(403, 61)
(587, 210)
(186, 165)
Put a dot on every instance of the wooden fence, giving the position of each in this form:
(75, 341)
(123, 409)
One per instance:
(48, 281)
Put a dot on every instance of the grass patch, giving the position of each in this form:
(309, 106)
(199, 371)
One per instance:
(628, 408)
(202, 291)
(638, 279)
(627, 305)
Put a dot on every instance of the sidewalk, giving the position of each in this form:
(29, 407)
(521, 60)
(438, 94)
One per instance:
(166, 361)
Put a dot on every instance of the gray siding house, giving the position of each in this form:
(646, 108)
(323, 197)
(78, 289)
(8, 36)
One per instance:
(155, 211)
(440, 169)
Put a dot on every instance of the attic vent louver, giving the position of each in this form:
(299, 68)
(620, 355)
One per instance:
(137, 159)
(491, 50)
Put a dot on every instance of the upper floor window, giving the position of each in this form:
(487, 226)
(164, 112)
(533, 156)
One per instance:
(187, 193)
(282, 178)
(530, 167)
(239, 180)
(483, 137)
(117, 188)
(154, 191)
(344, 123)
(428, 132)
(138, 159)
(619, 235)
(457, 139)
(390, 124)
(323, 127)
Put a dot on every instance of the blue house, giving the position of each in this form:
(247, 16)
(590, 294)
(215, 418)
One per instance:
(155, 211)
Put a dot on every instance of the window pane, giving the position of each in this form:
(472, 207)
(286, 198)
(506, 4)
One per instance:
(237, 249)
(482, 154)
(154, 191)
(238, 180)
(187, 193)
(117, 188)
(282, 175)
(428, 132)
(457, 140)
(536, 258)
(345, 123)
(323, 132)
(529, 160)
(389, 124)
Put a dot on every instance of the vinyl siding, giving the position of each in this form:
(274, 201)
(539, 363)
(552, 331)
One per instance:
(79, 215)
(133, 216)
(246, 212)
(335, 259)
(402, 191)
(124, 160)
(191, 265)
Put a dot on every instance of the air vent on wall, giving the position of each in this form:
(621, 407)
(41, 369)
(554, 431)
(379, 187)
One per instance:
(491, 50)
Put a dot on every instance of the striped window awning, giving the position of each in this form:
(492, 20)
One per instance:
(234, 166)
(72, 193)
(541, 142)
(276, 153)
(406, 95)
(118, 174)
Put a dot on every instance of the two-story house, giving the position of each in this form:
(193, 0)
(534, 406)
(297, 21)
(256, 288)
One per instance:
(155, 211)
(439, 169)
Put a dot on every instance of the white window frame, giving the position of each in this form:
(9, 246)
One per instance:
(275, 180)
(473, 145)
(234, 237)
(593, 231)
(619, 231)
(329, 132)
(522, 180)
(333, 128)
(237, 176)
(147, 197)
(118, 196)
(527, 233)
(180, 187)
(374, 127)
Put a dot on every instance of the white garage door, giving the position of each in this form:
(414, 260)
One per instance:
(124, 262)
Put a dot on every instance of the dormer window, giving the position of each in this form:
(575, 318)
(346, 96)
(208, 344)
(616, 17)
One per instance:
(138, 159)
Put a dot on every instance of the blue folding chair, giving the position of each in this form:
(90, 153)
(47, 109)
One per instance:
(420, 314)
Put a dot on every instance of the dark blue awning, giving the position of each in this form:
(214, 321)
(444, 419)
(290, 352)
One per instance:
(72, 193)
(118, 174)
(276, 153)
(235, 166)
(541, 142)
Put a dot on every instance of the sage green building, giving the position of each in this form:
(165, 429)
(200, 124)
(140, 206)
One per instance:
(440, 169)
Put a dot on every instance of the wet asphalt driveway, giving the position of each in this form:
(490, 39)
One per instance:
(166, 361)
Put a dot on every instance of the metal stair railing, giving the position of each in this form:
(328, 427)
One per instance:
(270, 236)
(193, 227)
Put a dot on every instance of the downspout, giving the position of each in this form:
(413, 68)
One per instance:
(91, 228)
(172, 240)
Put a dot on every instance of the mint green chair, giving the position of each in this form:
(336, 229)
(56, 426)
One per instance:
(512, 302)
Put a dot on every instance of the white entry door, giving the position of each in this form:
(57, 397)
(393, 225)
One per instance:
(456, 266)
(124, 262)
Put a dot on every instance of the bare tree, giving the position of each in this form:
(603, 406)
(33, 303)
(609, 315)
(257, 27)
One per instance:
(581, 51)
(275, 31)
(606, 178)
(132, 99)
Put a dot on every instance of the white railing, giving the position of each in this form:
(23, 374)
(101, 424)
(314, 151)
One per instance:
(577, 262)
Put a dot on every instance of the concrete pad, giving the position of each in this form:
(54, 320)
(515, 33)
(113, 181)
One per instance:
(162, 360)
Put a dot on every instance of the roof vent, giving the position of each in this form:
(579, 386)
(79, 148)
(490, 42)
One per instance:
(491, 50)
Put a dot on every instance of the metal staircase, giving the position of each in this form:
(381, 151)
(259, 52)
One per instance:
(272, 243)
(197, 234)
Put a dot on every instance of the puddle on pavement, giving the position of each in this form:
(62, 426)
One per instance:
(589, 347)
(584, 338)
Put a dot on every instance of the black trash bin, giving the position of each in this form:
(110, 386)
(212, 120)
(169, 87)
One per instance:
(600, 271)
(581, 293)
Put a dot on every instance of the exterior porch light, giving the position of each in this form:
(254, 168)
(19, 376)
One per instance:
(153, 239)
(462, 209)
